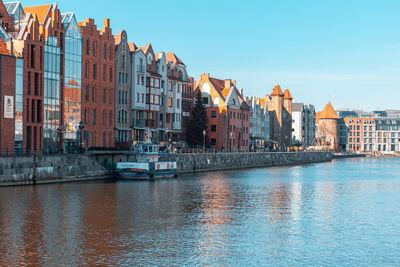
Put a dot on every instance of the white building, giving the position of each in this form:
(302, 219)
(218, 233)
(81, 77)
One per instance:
(138, 102)
(259, 122)
(303, 124)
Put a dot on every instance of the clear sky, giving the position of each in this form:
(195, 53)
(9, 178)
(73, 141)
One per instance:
(343, 51)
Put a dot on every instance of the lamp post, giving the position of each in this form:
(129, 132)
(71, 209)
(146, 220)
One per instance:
(81, 126)
(59, 133)
(204, 140)
(230, 142)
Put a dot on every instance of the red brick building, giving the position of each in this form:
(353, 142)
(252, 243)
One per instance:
(97, 84)
(228, 113)
(7, 99)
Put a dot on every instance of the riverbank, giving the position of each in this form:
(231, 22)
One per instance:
(30, 170)
(100, 165)
(347, 155)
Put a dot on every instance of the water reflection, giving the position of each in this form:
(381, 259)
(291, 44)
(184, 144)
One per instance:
(322, 214)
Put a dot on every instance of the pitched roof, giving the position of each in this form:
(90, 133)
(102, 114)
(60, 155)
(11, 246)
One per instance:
(118, 37)
(40, 11)
(262, 102)
(173, 58)
(3, 48)
(225, 92)
(145, 49)
(328, 113)
(287, 95)
(132, 47)
(277, 90)
(218, 84)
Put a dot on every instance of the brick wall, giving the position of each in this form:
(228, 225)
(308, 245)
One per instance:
(7, 87)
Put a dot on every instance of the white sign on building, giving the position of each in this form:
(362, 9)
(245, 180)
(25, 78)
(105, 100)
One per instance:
(8, 107)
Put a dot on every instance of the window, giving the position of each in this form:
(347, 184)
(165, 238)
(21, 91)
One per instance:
(123, 62)
(105, 51)
(94, 71)
(93, 96)
(178, 103)
(87, 47)
(87, 93)
(213, 128)
(94, 117)
(170, 102)
(213, 141)
(111, 74)
(94, 48)
(86, 70)
(205, 100)
(104, 96)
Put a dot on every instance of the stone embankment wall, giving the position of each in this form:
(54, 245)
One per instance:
(226, 161)
(49, 169)
(220, 161)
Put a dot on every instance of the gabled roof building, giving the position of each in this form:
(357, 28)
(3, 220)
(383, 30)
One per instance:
(228, 113)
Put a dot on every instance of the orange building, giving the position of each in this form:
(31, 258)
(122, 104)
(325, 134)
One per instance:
(360, 134)
(228, 113)
(327, 134)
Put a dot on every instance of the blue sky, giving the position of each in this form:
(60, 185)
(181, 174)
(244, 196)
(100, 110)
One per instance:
(343, 51)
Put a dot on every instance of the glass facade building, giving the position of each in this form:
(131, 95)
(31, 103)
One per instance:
(19, 106)
(73, 83)
(52, 95)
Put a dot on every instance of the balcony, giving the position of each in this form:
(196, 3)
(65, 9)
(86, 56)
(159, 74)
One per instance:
(140, 123)
(140, 69)
(176, 125)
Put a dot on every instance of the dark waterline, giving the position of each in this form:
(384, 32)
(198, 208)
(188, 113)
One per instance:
(345, 212)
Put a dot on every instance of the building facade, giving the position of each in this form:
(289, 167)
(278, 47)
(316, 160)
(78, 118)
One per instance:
(138, 92)
(327, 128)
(280, 114)
(72, 83)
(123, 92)
(387, 134)
(97, 84)
(7, 99)
(259, 123)
(303, 124)
(27, 42)
(228, 113)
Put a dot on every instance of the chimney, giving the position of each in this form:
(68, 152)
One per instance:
(228, 83)
(241, 92)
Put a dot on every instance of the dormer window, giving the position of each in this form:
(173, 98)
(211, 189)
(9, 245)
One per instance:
(233, 102)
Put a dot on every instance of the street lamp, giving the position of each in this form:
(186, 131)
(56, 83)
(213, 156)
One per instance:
(204, 140)
(59, 133)
(230, 142)
(81, 126)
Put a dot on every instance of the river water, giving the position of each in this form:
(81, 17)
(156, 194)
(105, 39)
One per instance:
(345, 212)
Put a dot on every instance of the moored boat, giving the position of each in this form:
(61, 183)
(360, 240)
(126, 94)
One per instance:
(148, 166)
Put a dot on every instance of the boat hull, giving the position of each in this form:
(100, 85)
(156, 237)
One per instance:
(146, 175)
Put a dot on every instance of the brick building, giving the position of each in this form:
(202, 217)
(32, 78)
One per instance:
(228, 113)
(7, 99)
(360, 134)
(97, 84)
(28, 45)
(280, 114)
(327, 123)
